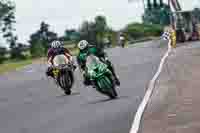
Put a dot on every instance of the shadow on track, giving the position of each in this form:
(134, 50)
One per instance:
(73, 94)
(108, 100)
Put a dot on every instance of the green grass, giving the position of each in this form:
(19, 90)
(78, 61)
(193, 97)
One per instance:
(74, 51)
(12, 65)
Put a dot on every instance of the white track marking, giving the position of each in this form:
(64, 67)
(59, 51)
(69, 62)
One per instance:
(141, 109)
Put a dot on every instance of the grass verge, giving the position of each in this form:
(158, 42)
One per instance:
(13, 65)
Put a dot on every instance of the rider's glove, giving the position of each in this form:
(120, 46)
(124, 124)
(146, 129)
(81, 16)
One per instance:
(49, 64)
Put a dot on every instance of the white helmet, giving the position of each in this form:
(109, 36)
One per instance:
(121, 38)
(82, 44)
(56, 44)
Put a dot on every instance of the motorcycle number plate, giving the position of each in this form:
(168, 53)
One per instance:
(55, 72)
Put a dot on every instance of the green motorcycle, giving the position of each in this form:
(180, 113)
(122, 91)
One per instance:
(101, 76)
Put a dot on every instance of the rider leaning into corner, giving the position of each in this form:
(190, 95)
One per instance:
(57, 49)
(85, 48)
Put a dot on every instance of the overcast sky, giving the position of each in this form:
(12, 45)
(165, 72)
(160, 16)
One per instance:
(62, 14)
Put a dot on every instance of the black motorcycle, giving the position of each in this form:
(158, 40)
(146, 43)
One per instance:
(63, 73)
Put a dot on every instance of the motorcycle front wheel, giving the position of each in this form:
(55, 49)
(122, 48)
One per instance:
(106, 87)
(65, 81)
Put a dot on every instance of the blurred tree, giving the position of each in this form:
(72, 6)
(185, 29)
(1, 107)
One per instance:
(40, 39)
(136, 31)
(67, 34)
(149, 5)
(155, 4)
(158, 15)
(161, 3)
(45, 35)
(7, 19)
(71, 35)
(87, 32)
(2, 54)
(95, 32)
(196, 13)
(37, 49)
(101, 29)
(16, 49)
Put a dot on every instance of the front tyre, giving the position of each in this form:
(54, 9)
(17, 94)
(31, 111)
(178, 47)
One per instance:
(113, 93)
(66, 81)
(68, 92)
(106, 86)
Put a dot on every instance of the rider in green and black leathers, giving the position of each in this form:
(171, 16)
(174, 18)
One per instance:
(85, 49)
